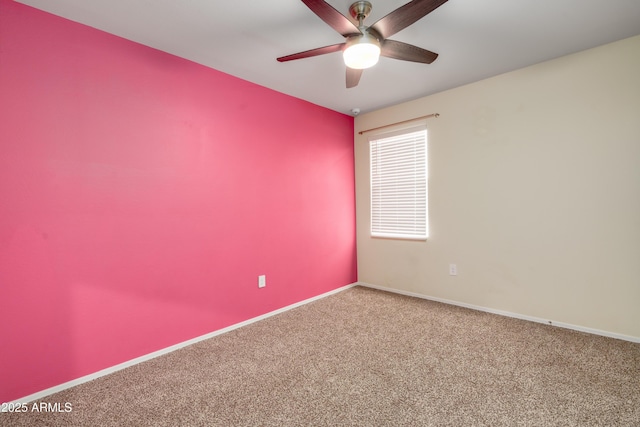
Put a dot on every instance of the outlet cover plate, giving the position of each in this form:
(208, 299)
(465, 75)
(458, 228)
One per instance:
(453, 270)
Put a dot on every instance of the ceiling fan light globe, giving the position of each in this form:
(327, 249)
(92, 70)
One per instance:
(361, 52)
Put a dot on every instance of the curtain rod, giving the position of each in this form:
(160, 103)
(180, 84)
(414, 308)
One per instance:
(399, 123)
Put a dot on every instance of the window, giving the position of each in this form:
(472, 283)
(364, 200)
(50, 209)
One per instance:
(399, 184)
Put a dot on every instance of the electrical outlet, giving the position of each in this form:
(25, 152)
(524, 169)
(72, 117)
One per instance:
(453, 270)
(262, 281)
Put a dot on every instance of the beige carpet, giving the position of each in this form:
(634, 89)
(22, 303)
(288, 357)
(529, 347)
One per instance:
(363, 357)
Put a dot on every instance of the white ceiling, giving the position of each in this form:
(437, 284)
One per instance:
(475, 39)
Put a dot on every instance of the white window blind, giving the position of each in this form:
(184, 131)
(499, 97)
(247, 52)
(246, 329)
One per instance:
(399, 184)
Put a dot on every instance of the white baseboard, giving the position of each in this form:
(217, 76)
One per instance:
(506, 313)
(107, 371)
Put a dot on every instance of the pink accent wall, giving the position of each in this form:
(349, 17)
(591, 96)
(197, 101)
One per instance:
(142, 194)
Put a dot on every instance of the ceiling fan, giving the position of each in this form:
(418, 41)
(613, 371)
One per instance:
(364, 45)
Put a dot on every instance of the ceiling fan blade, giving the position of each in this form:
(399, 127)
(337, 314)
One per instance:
(407, 52)
(332, 17)
(313, 52)
(353, 77)
(404, 16)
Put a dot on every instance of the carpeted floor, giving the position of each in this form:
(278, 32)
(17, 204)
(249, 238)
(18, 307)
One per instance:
(363, 357)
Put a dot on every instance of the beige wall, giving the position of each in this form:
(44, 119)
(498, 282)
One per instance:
(534, 192)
